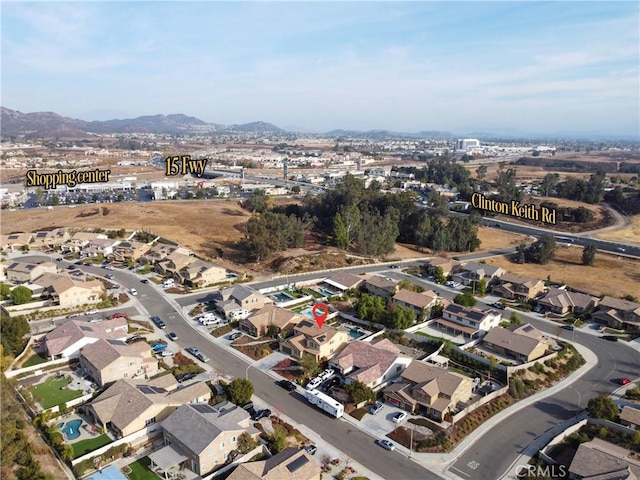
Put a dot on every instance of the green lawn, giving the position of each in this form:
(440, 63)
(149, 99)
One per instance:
(51, 392)
(140, 470)
(34, 359)
(85, 446)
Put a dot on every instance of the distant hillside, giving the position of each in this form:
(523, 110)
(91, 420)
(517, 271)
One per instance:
(380, 134)
(49, 124)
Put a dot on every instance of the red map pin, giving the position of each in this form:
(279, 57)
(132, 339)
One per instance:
(320, 312)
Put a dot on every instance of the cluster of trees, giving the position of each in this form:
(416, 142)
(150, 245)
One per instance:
(373, 309)
(443, 171)
(13, 333)
(628, 204)
(588, 191)
(542, 251)
(15, 450)
(569, 214)
(271, 232)
(589, 254)
(359, 392)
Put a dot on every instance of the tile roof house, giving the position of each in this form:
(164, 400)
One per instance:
(161, 251)
(199, 274)
(429, 390)
(15, 241)
(128, 406)
(448, 266)
(240, 297)
(307, 338)
(173, 263)
(128, 251)
(600, 460)
(70, 292)
(205, 435)
(290, 464)
(419, 303)
(344, 280)
(518, 287)
(109, 360)
(618, 313)
(45, 239)
(100, 246)
(561, 301)
(79, 240)
(513, 344)
(474, 272)
(373, 363)
(470, 322)
(27, 272)
(66, 340)
(630, 417)
(381, 286)
(259, 322)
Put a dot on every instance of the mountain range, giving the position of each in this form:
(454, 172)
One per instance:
(49, 124)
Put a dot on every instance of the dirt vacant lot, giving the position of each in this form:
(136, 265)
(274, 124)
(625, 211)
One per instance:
(611, 275)
(202, 226)
(628, 234)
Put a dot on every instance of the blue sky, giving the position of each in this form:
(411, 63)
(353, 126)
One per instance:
(533, 67)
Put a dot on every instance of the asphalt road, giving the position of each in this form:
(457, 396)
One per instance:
(480, 461)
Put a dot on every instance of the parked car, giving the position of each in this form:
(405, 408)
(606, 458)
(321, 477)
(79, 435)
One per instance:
(624, 381)
(261, 414)
(197, 353)
(400, 416)
(386, 444)
(376, 408)
(395, 266)
(158, 346)
(93, 311)
(173, 336)
(235, 336)
(571, 328)
(118, 315)
(183, 377)
(314, 383)
(135, 338)
(145, 280)
(133, 292)
(250, 409)
(611, 338)
(498, 305)
(287, 385)
(328, 373)
(311, 449)
(158, 322)
(109, 276)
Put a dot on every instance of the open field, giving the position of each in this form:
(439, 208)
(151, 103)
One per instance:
(201, 226)
(628, 234)
(613, 275)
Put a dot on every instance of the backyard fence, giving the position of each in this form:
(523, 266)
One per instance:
(37, 369)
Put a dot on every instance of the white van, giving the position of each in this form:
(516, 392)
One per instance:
(209, 321)
(239, 314)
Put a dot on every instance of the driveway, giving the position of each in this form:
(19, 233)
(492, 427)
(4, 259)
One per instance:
(381, 423)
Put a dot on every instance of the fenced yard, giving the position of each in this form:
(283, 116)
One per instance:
(85, 446)
(54, 391)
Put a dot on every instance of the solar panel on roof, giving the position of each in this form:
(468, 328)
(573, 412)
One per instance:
(297, 463)
(202, 408)
(146, 389)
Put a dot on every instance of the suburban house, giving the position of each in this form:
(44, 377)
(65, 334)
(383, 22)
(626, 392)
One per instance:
(200, 436)
(66, 340)
(109, 360)
(470, 322)
(429, 390)
(160, 251)
(630, 417)
(128, 251)
(129, 405)
(381, 286)
(100, 246)
(474, 272)
(290, 464)
(598, 459)
(518, 287)
(199, 274)
(307, 338)
(240, 297)
(27, 272)
(373, 363)
(257, 324)
(343, 281)
(447, 265)
(419, 303)
(618, 313)
(171, 264)
(79, 240)
(521, 347)
(15, 241)
(47, 239)
(561, 301)
(70, 292)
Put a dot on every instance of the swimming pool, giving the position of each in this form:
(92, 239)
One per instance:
(355, 333)
(307, 312)
(281, 297)
(325, 293)
(72, 429)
